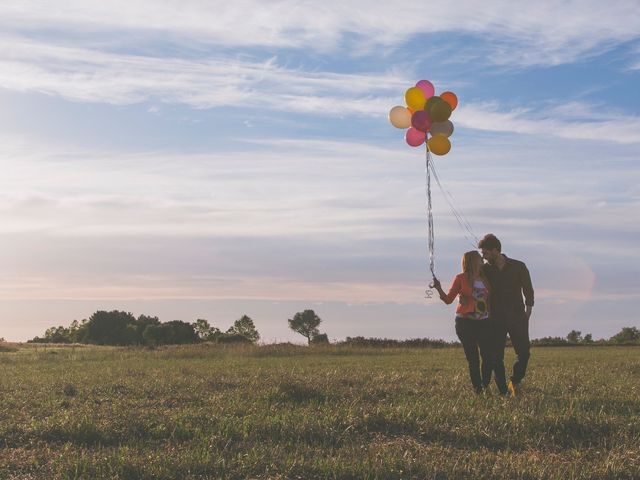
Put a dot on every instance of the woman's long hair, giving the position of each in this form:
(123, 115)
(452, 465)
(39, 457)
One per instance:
(470, 267)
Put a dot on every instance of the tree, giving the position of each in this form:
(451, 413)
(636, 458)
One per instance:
(205, 331)
(169, 333)
(73, 331)
(142, 323)
(56, 335)
(80, 335)
(181, 332)
(574, 336)
(155, 335)
(111, 328)
(588, 338)
(306, 324)
(627, 335)
(244, 327)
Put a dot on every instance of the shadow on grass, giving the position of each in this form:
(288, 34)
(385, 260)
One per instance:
(296, 392)
(432, 434)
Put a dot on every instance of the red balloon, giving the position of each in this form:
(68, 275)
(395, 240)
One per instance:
(414, 137)
(421, 120)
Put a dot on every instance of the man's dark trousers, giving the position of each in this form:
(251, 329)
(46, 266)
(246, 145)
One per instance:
(517, 327)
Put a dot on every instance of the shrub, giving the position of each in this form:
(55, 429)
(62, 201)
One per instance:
(389, 342)
(320, 339)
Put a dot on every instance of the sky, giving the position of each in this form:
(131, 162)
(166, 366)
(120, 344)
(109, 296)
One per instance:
(202, 159)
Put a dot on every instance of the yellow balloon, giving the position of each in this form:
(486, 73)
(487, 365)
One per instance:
(400, 117)
(415, 99)
(439, 144)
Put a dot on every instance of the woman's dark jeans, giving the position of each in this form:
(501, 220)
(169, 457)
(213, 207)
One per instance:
(478, 338)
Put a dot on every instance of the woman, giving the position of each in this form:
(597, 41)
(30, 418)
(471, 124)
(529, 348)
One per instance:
(472, 317)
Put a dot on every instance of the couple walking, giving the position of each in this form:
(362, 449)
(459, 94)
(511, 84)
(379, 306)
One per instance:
(490, 307)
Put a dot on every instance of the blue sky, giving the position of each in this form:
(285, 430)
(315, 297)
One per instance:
(208, 160)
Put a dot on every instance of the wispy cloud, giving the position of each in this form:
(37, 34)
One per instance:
(545, 33)
(311, 219)
(573, 121)
(93, 76)
(86, 75)
(298, 186)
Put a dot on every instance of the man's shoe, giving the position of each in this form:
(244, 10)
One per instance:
(514, 389)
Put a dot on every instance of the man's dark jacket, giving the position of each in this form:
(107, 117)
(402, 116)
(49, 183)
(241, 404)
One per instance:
(508, 287)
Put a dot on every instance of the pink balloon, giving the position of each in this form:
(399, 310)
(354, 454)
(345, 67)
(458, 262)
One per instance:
(421, 120)
(414, 137)
(427, 87)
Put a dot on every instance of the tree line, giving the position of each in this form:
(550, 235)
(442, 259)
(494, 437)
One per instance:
(122, 328)
(626, 336)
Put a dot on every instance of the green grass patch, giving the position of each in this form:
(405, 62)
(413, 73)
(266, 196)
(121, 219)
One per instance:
(205, 411)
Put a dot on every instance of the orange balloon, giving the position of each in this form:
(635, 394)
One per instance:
(450, 98)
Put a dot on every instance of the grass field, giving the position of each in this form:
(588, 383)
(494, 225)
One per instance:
(284, 412)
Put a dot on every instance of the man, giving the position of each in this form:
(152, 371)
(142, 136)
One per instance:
(510, 281)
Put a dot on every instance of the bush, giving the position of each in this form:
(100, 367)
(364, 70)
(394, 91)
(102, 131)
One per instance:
(550, 342)
(320, 339)
(175, 332)
(232, 338)
(388, 342)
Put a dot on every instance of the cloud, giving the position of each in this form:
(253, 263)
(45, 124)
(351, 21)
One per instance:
(92, 76)
(287, 218)
(309, 221)
(545, 33)
(326, 220)
(85, 75)
(634, 64)
(582, 124)
(299, 186)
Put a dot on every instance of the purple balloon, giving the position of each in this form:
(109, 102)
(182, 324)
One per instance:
(421, 120)
(414, 137)
(427, 87)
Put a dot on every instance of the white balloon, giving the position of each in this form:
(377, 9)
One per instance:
(400, 117)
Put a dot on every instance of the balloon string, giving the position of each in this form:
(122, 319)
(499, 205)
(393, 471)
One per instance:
(462, 221)
(431, 239)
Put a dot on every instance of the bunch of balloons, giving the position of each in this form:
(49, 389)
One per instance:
(426, 117)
